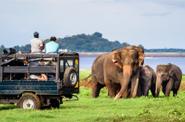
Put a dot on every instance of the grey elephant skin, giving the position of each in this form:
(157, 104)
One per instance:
(169, 76)
(147, 81)
(116, 70)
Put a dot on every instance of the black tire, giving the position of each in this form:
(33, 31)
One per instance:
(29, 101)
(70, 77)
(55, 103)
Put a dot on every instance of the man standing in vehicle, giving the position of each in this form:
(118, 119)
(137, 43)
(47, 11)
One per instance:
(52, 46)
(37, 44)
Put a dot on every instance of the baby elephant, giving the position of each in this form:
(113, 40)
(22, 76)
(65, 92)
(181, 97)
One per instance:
(169, 76)
(147, 80)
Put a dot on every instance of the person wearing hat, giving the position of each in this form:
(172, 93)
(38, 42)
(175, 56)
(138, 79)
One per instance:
(37, 44)
(52, 46)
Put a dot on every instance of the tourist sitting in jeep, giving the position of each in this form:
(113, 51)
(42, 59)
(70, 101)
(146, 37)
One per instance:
(52, 46)
(37, 45)
(42, 77)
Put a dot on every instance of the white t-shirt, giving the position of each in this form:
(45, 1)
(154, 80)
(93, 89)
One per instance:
(36, 45)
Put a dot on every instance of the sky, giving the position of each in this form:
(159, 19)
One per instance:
(152, 23)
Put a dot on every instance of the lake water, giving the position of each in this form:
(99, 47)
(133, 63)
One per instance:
(86, 62)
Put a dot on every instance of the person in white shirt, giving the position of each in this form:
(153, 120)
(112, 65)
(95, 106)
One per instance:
(37, 45)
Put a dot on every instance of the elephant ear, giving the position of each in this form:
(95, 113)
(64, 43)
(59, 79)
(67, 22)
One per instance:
(116, 59)
(171, 72)
(141, 56)
(172, 75)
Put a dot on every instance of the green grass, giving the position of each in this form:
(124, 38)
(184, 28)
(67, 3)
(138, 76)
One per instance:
(103, 109)
(183, 78)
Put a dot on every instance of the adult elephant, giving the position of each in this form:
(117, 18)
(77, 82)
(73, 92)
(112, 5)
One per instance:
(119, 67)
(98, 76)
(169, 76)
(147, 81)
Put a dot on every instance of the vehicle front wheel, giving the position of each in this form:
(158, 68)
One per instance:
(29, 101)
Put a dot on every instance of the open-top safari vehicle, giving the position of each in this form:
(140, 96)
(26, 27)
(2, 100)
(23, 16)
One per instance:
(19, 83)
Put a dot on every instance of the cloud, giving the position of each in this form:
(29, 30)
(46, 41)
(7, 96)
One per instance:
(171, 3)
(160, 14)
(164, 3)
(146, 20)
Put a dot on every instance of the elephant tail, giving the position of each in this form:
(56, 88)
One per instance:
(87, 82)
(86, 78)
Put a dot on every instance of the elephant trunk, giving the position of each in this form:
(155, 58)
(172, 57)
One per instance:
(158, 85)
(127, 72)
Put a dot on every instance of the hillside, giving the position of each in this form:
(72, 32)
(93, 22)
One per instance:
(90, 43)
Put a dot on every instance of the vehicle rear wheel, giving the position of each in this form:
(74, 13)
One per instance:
(29, 101)
(70, 77)
(55, 103)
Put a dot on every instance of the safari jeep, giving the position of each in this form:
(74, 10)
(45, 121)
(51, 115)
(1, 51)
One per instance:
(18, 86)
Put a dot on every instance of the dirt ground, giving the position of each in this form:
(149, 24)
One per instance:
(88, 83)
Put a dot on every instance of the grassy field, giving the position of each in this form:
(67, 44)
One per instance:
(103, 109)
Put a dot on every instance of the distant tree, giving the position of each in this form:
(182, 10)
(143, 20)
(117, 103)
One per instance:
(124, 44)
(98, 34)
(2, 47)
(141, 46)
(90, 43)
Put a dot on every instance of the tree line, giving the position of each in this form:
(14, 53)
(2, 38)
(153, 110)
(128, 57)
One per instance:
(89, 43)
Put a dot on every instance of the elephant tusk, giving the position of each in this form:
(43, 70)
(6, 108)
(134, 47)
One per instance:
(116, 98)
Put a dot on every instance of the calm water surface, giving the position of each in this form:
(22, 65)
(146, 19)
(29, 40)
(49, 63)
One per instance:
(86, 62)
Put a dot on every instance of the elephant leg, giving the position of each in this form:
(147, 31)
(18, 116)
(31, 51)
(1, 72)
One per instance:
(116, 88)
(168, 87)
(146, 87)
(153, 90)
(158, 85)
(134, 85)
(96, 89)
(126, 93)
(123, 91)
(175, 92)
(176, 88)
(164, 89)
(110, 88)
(157, 91)
(146, 91)
(139, 91)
